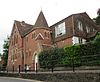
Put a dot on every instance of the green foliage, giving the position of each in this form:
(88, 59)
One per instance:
(84, 54)
(72, 55)
(49, 58)
(98, 12)
(97, 38)
(97, 19)
(90, 52)
(5, 52)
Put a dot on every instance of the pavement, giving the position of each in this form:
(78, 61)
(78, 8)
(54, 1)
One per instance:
(49, 72)
(10, 79)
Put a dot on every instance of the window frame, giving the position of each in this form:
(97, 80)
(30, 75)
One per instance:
(60, 29)
(80, 25)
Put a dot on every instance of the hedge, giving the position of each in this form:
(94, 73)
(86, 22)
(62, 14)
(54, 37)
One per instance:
(83, 54)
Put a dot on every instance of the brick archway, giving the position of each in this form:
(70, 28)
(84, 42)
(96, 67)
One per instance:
(35, 60)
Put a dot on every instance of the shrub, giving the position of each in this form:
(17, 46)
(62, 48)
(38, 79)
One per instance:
(72, 55)
(49, 58)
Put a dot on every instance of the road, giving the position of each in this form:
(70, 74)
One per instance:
(9, 79)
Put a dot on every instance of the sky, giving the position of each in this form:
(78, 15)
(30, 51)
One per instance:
(28, 10)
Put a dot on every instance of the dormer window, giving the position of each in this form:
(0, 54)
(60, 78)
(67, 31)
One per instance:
(80, 26)
(87, 29)
(60, 29)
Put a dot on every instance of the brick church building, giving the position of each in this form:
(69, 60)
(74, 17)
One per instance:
(27, 41)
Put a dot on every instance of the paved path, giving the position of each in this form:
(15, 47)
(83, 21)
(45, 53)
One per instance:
(49, 72)
(9, 79)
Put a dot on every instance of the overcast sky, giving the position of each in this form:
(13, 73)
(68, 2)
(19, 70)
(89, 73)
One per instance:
(28, 10)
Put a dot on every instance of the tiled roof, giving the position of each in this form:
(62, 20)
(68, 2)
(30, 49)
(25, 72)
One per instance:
(70, 17)
(41, 21)
(98, 28)
(23, 27)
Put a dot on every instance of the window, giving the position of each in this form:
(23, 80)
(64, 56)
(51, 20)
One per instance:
(46, 34)
(33, 35)
(27, 39)
(14, 39)
(87, 29)
(75, 40)
(17, 39)
(80, 40)
(80, 26)
(60, 29)
(94, 30)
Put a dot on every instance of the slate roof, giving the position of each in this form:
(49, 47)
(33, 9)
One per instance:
(23, 27)
(83, 15)
(70, 16)
(41, 21)
(98, 28)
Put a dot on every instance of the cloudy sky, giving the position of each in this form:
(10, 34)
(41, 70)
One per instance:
(28, 10)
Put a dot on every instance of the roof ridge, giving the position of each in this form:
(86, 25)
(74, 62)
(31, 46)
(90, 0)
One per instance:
(67, 17)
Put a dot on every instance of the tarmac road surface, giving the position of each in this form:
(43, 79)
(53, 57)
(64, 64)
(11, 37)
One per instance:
(9, 79)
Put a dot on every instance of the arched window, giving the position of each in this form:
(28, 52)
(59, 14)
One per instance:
(33, 35)
(46, 34)
(17, 39)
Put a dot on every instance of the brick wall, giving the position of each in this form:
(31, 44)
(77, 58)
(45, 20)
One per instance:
(58, 77)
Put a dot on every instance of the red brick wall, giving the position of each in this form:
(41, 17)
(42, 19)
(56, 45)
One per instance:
(31, 45)
(64, 42)
(17, 47)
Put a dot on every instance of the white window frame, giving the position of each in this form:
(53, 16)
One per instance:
(80, 26)
(78, 40)
(60, 30)
(87, 29)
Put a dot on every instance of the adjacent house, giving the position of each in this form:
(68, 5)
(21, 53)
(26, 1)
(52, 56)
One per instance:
(27, 41)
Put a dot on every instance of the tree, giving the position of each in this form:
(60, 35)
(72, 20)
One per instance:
(97, 19)
(72, 55)
(98, 12)
(50, 58)
(5, 51)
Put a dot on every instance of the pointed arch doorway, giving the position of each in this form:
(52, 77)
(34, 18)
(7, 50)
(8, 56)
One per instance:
(35, 61)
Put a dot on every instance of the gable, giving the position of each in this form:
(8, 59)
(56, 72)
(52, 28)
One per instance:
(84, 25)
(23, 28)
(14, 30)
(39, 37)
